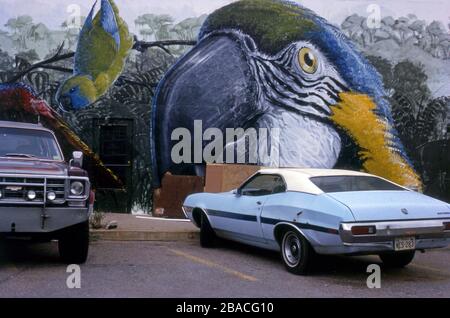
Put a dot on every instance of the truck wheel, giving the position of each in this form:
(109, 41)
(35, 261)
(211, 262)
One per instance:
(397, 260)
(73, 245)
(207, 235)
(297, 253)
(3, 250)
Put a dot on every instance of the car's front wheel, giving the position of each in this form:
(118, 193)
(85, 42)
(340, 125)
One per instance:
(207, 235)
(73, 245)
(296, 252)
(398, 259)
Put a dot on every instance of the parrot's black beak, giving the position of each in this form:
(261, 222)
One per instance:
(192, 91)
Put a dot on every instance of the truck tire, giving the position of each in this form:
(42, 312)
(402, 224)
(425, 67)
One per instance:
(3, 249)
(73, 244)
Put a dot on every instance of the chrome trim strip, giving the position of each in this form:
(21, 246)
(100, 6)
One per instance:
(395, 221)
(388, 244)
(183, 208)
(293, 226)
(39, 176)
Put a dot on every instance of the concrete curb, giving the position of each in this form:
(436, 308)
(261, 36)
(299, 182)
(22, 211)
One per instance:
(115, 235)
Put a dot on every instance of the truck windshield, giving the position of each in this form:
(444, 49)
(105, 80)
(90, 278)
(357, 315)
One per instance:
(329, 184)
(28, 143)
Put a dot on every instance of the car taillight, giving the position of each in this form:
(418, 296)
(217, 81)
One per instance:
(364, 230)
(446, 226)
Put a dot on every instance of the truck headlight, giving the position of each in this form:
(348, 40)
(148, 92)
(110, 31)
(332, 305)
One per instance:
(76, 188)
(51, 196)
(31, 195)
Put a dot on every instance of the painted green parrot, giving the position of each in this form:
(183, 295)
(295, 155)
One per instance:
(103, 46)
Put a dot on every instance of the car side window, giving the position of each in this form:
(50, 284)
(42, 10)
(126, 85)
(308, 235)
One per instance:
(264, 184)
(279, 185)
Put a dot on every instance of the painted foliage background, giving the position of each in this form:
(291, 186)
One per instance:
(410, 47)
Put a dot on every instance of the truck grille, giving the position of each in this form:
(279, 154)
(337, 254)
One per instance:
(57, 186)
(15, 190)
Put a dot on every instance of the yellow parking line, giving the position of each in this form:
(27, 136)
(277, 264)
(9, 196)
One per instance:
(214, 265)
(440, 271)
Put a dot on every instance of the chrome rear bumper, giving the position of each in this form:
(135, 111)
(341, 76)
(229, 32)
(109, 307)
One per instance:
(429, 233)
(388, 230)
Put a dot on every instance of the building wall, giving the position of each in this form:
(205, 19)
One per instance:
(409, 50)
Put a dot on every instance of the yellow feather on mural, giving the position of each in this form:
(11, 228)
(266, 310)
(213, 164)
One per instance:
(355, 114)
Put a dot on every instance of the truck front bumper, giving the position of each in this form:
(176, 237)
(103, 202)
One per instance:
(16, 220)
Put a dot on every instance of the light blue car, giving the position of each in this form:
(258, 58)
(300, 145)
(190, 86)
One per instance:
(304, 212)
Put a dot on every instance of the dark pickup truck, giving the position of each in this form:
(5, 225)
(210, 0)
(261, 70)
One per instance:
(43, 197)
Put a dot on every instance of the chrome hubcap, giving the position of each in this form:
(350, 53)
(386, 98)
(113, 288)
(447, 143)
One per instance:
(292, 249)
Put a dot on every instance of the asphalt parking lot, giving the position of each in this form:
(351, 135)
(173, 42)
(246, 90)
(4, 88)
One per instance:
(183, 269)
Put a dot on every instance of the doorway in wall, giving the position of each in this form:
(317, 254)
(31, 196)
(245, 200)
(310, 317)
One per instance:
(113, 140)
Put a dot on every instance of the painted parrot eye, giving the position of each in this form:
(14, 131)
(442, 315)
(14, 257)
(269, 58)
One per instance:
(308, 60)
(72, 90)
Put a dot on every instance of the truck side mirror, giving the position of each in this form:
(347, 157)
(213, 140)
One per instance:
(77, 160)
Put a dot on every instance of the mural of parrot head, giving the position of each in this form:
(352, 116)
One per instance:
(103, 46)
(275, 64)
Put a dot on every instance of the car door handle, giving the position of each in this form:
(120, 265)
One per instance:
(259, 203)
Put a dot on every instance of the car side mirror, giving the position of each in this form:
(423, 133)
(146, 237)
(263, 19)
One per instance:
(237, 192)
(77, 160)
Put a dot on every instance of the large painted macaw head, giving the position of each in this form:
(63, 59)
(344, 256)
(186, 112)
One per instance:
(76, 93)
(300, 60)
(267, 63)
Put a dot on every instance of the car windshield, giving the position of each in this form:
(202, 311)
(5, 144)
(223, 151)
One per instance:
(331, 184)
(28, 143)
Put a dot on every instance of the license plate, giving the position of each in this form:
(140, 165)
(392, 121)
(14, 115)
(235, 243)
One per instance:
(405, 243)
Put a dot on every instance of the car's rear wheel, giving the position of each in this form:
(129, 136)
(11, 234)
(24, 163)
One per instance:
(207, 235)
(398, 259)
(296, 252)
(73, 245)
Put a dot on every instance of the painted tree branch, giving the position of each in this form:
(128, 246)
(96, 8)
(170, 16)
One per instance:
(125, 80)
(139, 46)
(43, 64)
(143, 46)
(57, 68)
